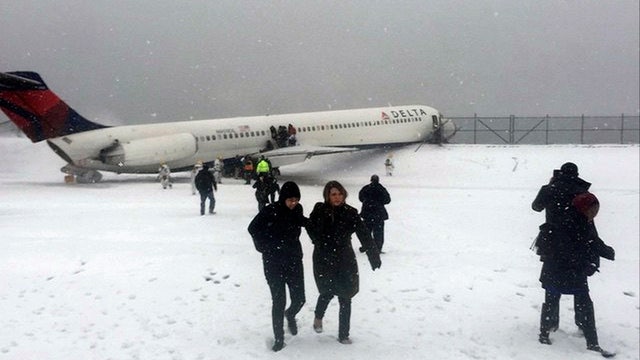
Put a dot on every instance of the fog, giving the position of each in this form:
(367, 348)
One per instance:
(121, 61)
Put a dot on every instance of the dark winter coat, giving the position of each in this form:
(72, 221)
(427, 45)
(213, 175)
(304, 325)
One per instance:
(573, 256)
(556, 197)
(262, 190)
(334, 262)
(276, 232)
(568, 244)
(374, 197)
(205, 182)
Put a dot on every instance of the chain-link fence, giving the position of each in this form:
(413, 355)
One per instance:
(622, 129)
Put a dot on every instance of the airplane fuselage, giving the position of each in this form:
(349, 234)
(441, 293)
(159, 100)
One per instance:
(141, 148)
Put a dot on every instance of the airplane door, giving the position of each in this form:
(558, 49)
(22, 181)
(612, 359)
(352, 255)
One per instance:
(435, 122)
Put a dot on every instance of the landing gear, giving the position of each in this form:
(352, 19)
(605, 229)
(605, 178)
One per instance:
(82, 176)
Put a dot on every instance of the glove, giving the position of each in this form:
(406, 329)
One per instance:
(374, 259)
(590, 269)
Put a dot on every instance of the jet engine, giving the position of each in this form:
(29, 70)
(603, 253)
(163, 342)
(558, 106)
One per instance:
(147, 151)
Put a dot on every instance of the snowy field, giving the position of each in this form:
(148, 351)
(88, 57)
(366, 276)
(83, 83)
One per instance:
(126, 270)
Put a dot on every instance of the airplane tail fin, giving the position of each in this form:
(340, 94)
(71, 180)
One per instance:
(36, 110)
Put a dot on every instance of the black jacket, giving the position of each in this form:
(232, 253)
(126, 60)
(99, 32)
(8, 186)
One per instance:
(205, 182)
(276, 232)
(262, 190)
(374, 197)
(568, 244)
(572, 256)
(335, 267)
(555, 198)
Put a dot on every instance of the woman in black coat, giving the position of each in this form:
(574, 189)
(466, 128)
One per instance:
(570, 249)
(276, 234)
(335, 267)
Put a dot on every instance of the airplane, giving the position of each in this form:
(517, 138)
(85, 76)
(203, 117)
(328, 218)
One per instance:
(89, 147)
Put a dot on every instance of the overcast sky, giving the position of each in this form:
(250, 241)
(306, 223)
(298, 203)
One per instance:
(121, 61)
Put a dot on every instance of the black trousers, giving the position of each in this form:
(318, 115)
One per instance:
(344, 314)
(279, 277)
(584, 315)
(203, 198)
(377, 231)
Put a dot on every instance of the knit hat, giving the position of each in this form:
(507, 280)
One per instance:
(375, 179)
(569, 169)
(289, 190)
(583, 202)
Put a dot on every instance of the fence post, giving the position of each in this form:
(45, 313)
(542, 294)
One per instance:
(475, 126)
(582, 129)
(512, 120)
(546, 133)
(622, 128)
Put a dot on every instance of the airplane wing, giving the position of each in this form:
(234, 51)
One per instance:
(299, 153)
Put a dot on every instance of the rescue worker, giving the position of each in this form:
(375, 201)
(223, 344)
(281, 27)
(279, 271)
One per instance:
(263, 167)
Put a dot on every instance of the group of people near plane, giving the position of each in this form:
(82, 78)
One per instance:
(568, 245)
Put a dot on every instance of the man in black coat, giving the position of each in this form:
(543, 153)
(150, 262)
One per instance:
(262, 191)
(374, 197)
(276, 234)
(206, 183)
(569, 247)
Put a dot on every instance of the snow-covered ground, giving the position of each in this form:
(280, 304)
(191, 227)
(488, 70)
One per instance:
(118, 270)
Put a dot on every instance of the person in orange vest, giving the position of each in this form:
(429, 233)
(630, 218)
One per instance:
(247, 170)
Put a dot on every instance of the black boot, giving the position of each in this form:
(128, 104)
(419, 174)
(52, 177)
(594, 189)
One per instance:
(548, 322)
(603, 352)
(278, 345)
(543, 338)
(292, 324)
(586, 321)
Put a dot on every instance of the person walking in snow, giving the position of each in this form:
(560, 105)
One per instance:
(276, 235)
(206, 184)
(570, 250)
(217, 170)
(335, 268)
(388, 166)
(262, 192)
(273, 188)
(194, 172)
(164, 175)
(374, 197)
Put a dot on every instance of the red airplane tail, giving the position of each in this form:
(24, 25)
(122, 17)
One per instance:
(36, 110)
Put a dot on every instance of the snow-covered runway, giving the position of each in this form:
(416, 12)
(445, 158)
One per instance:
(126, 270)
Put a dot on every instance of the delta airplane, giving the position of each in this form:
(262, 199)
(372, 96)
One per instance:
(88, 147)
